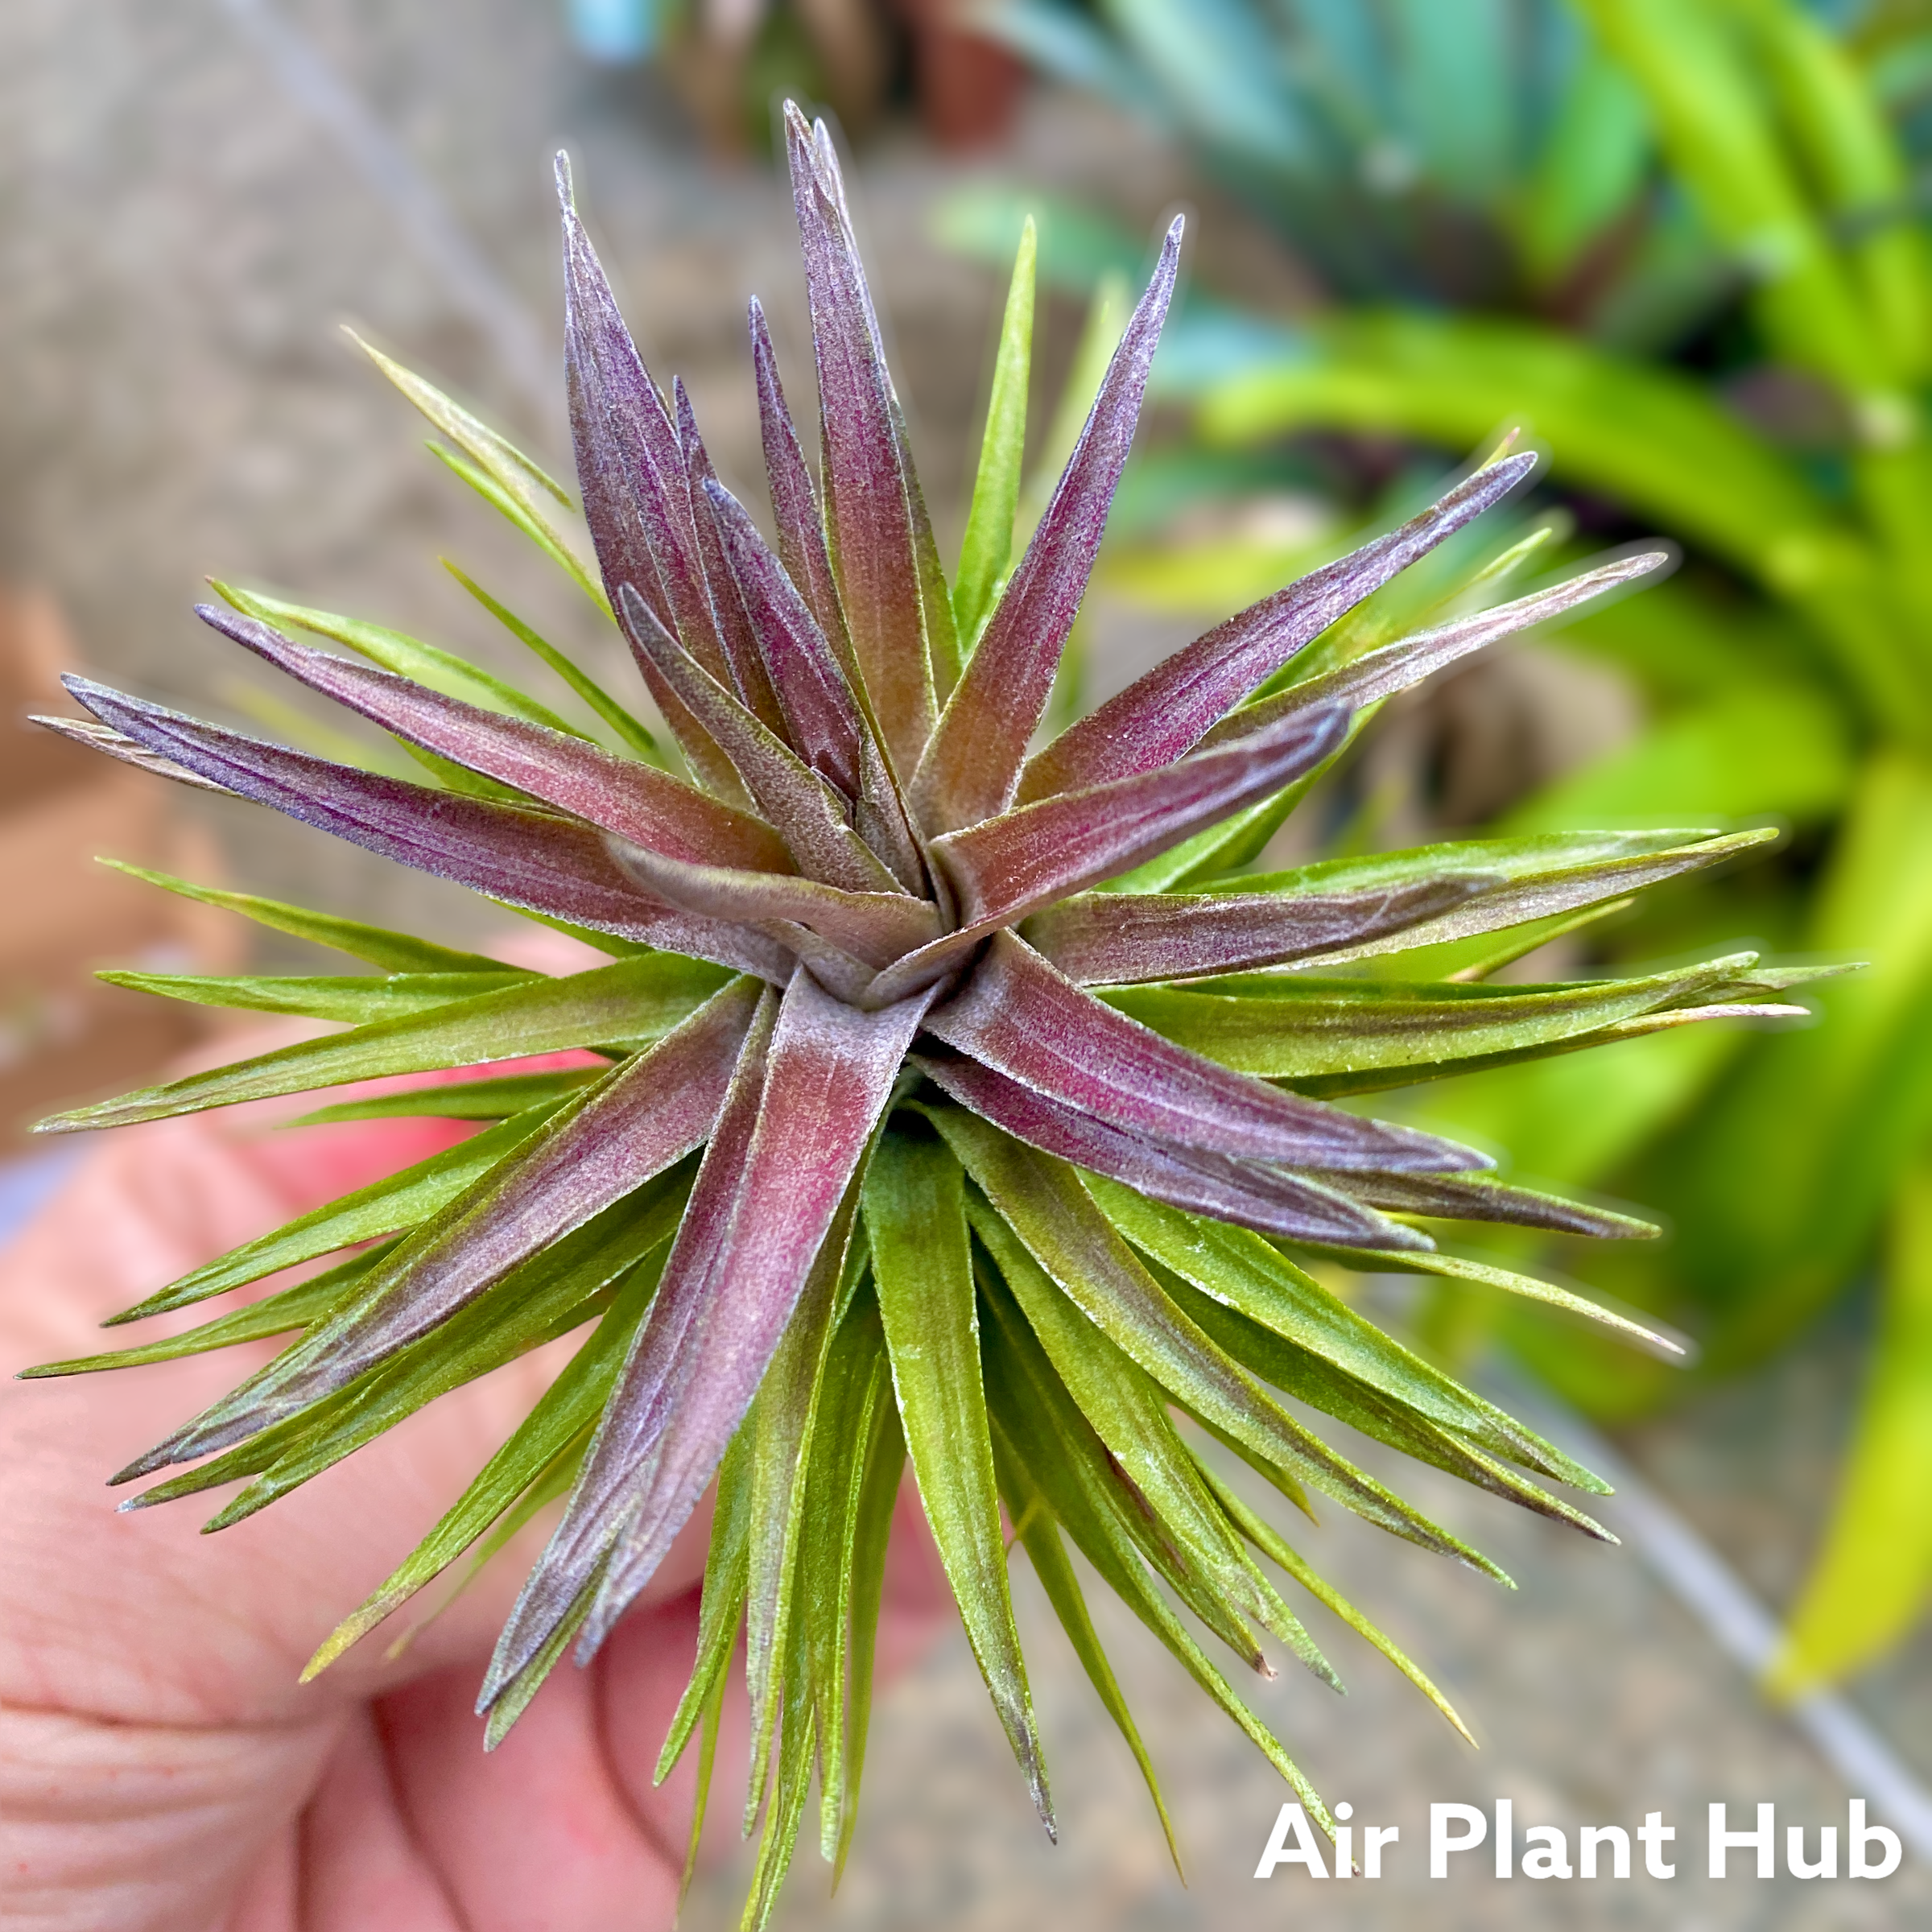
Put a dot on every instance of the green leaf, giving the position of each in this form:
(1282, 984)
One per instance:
(787, 1807)
(1041, 1199)
(783, 1419)
(1238, 1268)
(440, 671)
(486, 1100)
(539, 529)
(987, 547)
(1452, 1267)
(1100, 334)
(1128, 1413)
(1296, 1026)
(393, 951)
(1592, 165)
(356, 998)
(502, 457)
(1020, 1432)
(1869, 1582)
(915, 1215)
(301, 1307)
(1028, 1507)
(1266, 1539)
(858, 1381)
(397, 1201)
(1308, 1378)
(721, 1603)
(631, 1003)
(514, 1700)
(878, 1495)
(634, 735)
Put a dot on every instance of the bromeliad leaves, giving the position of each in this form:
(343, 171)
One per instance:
(1014, 1091)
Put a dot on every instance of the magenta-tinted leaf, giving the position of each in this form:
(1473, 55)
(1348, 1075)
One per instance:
(553, 866)
(972, 765)
(1006, 867)
(1462, 1198)
(1379, 674)
(97, 737)
(876, 927)
(1102, 939)
(645, 806)
(733, 625)
(580, 1547)
(1246, 1192)
(1170, 710)
(867, 515)
(1021, 1018)
(1001, 871)
(794, 503)
(632, 1126)
(773, 1182)
(821, 716)
(808, 812)
(631, 469)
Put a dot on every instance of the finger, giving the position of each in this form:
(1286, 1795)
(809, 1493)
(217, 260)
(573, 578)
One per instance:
(538, 1834)
(145, 1829)
(361, 1868)
(270, 1895)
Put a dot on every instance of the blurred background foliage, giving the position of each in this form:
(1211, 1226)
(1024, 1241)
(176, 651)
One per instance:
(1682, 244)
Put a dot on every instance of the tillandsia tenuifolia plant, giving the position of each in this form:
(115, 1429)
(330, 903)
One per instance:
(943, 1097)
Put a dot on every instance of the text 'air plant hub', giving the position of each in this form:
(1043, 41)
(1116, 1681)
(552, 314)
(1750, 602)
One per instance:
(943, 1097)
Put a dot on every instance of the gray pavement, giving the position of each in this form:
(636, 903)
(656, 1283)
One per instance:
(178, 242)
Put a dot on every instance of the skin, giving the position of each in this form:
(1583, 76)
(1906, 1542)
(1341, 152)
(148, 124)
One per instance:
(160, 1766)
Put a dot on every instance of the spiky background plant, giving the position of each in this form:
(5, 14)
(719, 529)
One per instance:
(938, 1098)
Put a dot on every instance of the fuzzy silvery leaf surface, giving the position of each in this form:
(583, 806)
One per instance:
(950, 1097)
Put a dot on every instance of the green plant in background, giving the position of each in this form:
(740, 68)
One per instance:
(940, 1101)
(1709, 297)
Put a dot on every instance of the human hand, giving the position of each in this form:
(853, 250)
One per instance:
(160, 1766)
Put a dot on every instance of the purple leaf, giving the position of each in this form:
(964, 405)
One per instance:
(97, 737)
(636, 1123)
(868, 518)
(794, 503)
(648, 807)
(876, 927)
(627, 453)
(646, 1390)
(732, 623)
(820, 714)
(1379, 674)
(1173, 707)
(880, 813)
(1021, 1018)
(773, 1182)
(1246, 1192)
(1001, 871)
(553, 866)
(809, 812)
(1458, 1198)
(1105, 939)
(1006, 867)
(972, 765)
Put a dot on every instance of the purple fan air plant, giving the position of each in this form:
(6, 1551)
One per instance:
(951, 1097)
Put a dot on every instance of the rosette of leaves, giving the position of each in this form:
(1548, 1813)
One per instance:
(944, 1098)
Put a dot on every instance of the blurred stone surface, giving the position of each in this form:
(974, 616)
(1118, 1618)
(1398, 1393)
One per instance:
(178, 242)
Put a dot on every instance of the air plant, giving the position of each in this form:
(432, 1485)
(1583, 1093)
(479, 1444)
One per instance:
(943, 1097)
